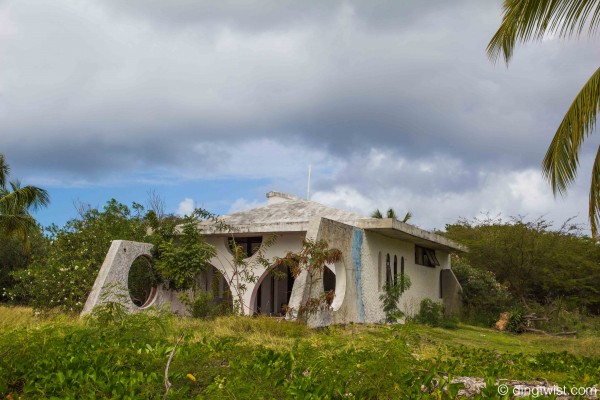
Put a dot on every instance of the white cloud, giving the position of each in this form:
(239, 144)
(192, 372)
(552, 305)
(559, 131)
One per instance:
(405, 186)
(242, 204)
(186, 207)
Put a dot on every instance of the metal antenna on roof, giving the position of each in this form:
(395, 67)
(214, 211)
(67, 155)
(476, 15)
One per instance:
(308, 186)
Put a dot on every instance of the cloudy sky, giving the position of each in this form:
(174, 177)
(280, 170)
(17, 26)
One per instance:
(214, 103)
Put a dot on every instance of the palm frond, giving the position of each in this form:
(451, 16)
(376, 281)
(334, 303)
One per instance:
(526, 20)
(562, 158)
(28, 197)
(595, 196)
(407, 216)
(376, 214)
(391, 213)
(17, 224)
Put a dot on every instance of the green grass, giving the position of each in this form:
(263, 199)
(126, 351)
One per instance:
(254, 358)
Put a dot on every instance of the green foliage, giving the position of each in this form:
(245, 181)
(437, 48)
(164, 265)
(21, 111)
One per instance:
(390, 213)
(535, 262)
(516, 322)
(116, 355)
(180, 251)
(61, 274)
(483, 297)
(391, 295)
(16, 202)
(14, 258)
(312, 258)
(63, 278)
(141, 281)
(430, 313)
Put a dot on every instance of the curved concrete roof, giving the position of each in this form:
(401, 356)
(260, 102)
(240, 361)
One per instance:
(283, 213)
(287, 213)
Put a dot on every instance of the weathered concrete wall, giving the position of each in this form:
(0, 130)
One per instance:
(347, 303)
(111, 282)
(451, 292)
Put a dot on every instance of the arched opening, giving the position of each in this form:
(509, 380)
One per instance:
(328, 284)
(379, 272)
(215, 289)
(395, 270)
(142, 282)
(274, 291)
(401, 274)
(388, 270)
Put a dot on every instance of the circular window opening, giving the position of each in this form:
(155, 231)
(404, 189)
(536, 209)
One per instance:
(142, 282)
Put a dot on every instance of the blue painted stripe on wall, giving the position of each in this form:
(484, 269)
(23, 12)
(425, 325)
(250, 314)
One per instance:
(357, 240)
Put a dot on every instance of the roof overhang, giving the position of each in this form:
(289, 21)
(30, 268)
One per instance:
(393, 228)
(279, 227)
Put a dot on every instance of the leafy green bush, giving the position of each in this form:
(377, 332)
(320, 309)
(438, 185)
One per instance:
(180, 251)
(432, 314)
(483, 297)
(533, 260)
(64, 277)
(516, 322)
(14, 257)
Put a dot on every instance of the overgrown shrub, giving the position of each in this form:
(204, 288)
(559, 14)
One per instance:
(516, 321)
(180, 251)
(432, 314)
(65, 276)
(13, 258)
(483, 297)
(533, 260)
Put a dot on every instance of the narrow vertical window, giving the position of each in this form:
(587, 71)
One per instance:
(379, 272)
(441, 285)
(401, 274)
(395, 270)
(388, 270)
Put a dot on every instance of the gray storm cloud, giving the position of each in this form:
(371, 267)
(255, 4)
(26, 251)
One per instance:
(92, 89)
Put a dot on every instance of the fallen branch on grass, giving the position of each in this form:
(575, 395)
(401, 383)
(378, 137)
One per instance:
(167, 383)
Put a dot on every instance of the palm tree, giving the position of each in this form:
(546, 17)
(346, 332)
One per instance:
(527, 20)
(390, 214)
(15, 204)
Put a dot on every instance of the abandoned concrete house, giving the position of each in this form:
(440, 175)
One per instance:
(374, 251)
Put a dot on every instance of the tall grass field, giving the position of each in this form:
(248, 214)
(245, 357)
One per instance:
(115, 356)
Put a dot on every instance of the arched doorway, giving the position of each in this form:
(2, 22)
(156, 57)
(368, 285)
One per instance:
(214, 285)
(273, 291)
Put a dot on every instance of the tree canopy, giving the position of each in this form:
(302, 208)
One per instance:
(535, 262)
(16, 203)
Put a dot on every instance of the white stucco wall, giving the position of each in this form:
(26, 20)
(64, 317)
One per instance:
(223, 261)
(425, 281)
